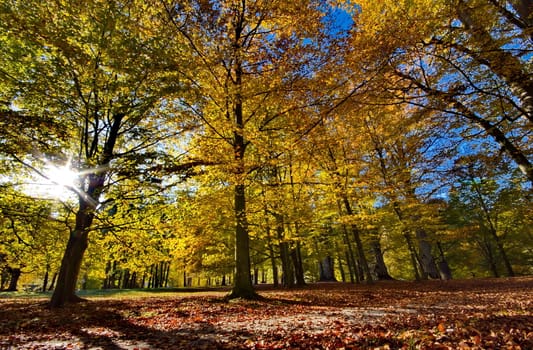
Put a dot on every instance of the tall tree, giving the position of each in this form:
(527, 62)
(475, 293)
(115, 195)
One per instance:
(467, 60)
(254, 55)
(99, 69)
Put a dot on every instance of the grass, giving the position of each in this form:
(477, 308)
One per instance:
(120, 293)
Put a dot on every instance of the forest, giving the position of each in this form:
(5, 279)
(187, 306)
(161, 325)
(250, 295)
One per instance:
(240, 143)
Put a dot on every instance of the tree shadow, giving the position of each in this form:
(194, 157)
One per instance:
(104, 325)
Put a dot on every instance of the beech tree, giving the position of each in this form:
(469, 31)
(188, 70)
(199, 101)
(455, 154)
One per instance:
(98, 69)
(253, 56)
(467, 60)
(31, 236)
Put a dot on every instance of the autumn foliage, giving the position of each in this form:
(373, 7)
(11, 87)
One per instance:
(462, 314)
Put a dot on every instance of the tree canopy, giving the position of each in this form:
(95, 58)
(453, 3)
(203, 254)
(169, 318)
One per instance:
(247, 141)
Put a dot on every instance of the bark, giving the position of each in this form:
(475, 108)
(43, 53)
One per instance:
(125, 279)
(352, 261)
(272, 254)
(501, 62)
(427, 262)
(444, 268)
(327, 271)
(65, 290)
(349, 263)
(284, 253)
(53, 284)
(486, 248)
(341, 268)
(380, 269)
(358, 243)
(72, 258)
(14, 279)
(503, 254)
(167, 274)
(45, 279)
(296, 255)
(412, 254)
(242, 285)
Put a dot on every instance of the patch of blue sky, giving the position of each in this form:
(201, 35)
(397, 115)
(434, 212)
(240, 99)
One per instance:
(338, 22)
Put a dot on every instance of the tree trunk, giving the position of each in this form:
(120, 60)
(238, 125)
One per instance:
(350, 257)
(380, 269)
(503, 254)
(65, 290)
(53, 284)
(298, 264)
(125, 279)
(15, 275)
(45, 279)
(271, 252)
(242, 285)
(349, 263)
(341, 268)
(412, 254)
(327, 271)
(444, 268)
(358, 243)
(427, 262)
(486, 248)
(492, 228)
(284, 253)
(286, 266)
(167, 274)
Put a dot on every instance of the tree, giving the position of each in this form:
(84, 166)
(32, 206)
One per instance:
(98, 69)
(257, 57)
(31, 234)
(466, 60)
(480, 204)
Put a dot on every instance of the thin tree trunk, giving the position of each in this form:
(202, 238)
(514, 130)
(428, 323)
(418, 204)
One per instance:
(341, 268)
(167, 274)
(53, 284)
(298, 265)
(45, 279)
(358, 243)
(271, 253)
(489, 255)
(444, 268)
(349, 265)
(350, 258)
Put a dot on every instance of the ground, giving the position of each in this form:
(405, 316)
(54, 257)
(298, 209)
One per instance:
(467, 314)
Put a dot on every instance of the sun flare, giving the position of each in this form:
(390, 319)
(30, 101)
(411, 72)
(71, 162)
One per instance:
(62, 176)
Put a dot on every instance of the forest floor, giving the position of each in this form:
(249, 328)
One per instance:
(461, 314)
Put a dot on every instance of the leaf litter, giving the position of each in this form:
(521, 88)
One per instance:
(462, 314)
